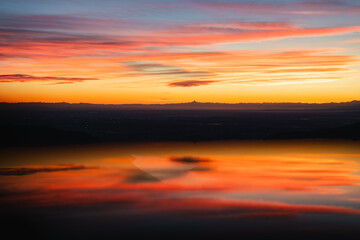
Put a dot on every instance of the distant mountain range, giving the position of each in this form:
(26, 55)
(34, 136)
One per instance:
(188, 105)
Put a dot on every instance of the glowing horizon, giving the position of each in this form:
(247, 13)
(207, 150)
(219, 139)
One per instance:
(228, 51)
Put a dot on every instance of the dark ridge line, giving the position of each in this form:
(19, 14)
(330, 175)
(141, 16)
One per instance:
(196, 105)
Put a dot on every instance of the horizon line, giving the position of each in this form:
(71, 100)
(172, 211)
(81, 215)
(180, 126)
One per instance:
(169, 103)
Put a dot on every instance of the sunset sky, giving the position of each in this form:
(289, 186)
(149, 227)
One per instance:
(141, 51)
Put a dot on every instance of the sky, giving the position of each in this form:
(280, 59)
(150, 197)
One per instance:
(141, 51)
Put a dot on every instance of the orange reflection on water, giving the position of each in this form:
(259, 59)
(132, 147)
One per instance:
(226, 180)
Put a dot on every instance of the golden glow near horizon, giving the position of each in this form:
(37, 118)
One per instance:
(141, 52)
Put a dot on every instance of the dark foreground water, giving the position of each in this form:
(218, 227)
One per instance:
(270, 190)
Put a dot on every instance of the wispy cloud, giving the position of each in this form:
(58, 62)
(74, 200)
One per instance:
(29, 78)
(58, 22)
(190, 83)
(35, 42)
(251, 7)
(352, 41)
(184, 36)
(182, 44)
(161, 70)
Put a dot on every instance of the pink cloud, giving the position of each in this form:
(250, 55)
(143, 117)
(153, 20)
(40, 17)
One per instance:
(197, 38)
(352, 41)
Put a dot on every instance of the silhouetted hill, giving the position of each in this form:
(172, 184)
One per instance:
(351, 131)
(63, 123)
(41, 135)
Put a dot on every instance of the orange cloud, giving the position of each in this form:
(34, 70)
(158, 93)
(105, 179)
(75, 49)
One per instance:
(151, 58)
(186, 69)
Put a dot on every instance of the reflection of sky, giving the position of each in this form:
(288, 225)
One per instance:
(201, 181)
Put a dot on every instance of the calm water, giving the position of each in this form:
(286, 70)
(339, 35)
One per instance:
(268, 189)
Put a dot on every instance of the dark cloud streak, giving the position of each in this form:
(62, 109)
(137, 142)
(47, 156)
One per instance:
(58, 22)
(190, 83)
(29, 78)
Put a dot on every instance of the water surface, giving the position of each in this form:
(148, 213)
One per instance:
(267, 189)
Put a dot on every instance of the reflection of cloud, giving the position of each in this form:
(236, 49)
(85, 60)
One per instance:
(149, 201)
(154, 170)
(189, 159)
(201, 169)
(141, 177)
(187, 188)
(168, 173)
(30, 78)
(190, 83)
(19, 171)
(221, 208)
(154, 176)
